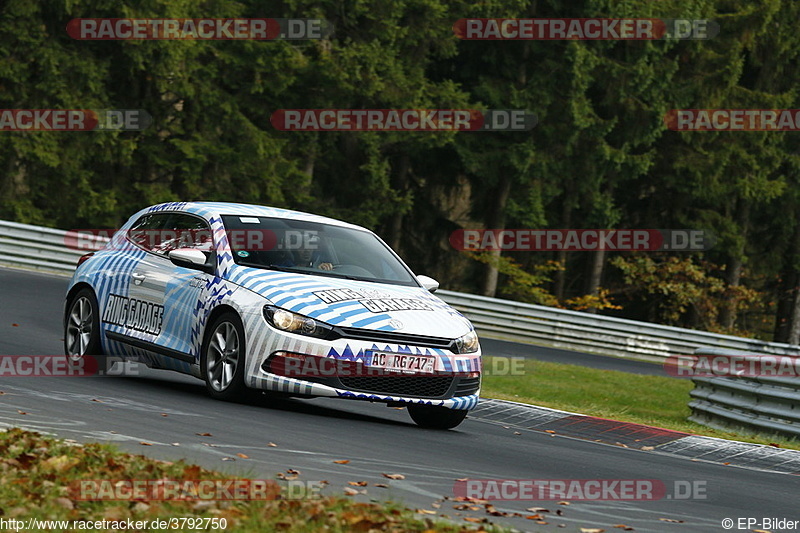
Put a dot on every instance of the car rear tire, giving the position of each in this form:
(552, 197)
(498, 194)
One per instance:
(435, 417)
(222, 361)
(82, 332)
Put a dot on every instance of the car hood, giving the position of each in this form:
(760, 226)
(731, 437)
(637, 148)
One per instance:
(357, 304)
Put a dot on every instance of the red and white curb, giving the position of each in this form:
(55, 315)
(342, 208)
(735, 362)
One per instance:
(638, 436)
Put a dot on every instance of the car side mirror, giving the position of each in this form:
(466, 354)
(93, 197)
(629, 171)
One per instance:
(191, 258)
(430, 284)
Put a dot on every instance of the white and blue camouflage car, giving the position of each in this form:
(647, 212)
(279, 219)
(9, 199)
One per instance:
(258, 298)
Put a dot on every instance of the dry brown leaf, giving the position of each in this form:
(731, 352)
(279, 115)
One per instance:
(228, 459)
(549, 431)
(647, 448)
(381, 485)
(243, 456)
(394, 476)
(293, 471)
(350, 492)
(342, 462)
(425, 511)
(204, 434)
(143, 443)
(563, 503)
(60, 463)
(538, 510)
(271, 444)
(21, 412)
(164, 414)
(66, 503)
(358, 483)
(96, 400)
(623, 526)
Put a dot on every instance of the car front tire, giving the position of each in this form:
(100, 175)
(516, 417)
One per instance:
(436, 417)
(82, 331)
(222, 362)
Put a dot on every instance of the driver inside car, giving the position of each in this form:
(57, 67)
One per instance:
(306, 257)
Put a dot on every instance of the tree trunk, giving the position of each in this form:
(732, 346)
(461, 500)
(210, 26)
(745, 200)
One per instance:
(401, 185)
(561, 256)
(786, 310)
(595, 275)
(793, 322)
(794, 330)
(733, 268)
(496, 220)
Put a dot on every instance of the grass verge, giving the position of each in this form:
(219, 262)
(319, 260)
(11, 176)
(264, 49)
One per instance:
(652, 400)
(40, 478)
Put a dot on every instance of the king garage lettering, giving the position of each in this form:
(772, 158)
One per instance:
(374, 301)
(379, 305)
(138, 315)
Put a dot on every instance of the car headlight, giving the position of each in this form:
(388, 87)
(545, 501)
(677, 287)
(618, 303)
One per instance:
(293, 323)
(468, 343)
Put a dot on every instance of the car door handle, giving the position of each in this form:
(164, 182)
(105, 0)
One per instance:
(138, 278)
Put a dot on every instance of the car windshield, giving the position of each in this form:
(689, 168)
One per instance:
(313, 248)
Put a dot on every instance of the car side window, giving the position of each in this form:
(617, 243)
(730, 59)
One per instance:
(146, 232)
(184, 231)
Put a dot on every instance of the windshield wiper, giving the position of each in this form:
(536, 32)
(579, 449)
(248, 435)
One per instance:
(271, 267)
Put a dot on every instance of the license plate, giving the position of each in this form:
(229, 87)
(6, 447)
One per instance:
(400, 362)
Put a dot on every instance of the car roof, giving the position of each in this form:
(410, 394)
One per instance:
(210, 210)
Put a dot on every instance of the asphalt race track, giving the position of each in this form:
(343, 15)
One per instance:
(311, 434)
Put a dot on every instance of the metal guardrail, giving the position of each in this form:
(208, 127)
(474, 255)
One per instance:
(45, 248)
(755, 403)
(41, 248)
(573, 330)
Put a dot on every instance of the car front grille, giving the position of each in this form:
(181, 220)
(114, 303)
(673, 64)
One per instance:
(421, 386)
(467, 386)
(391, 337)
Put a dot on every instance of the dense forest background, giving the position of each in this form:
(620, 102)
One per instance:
(600, 157)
